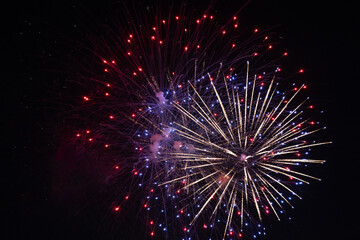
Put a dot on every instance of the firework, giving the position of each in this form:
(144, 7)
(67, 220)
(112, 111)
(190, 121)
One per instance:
(216, 144)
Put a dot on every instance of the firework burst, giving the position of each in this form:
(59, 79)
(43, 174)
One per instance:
(217, 145)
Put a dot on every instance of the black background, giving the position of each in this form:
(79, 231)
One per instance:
(323, 36)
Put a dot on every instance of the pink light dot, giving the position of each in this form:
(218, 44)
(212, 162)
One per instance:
(78, 135)
(117, 167)
(177, 17)
(117, 208)
(301, 70)
(256, 30)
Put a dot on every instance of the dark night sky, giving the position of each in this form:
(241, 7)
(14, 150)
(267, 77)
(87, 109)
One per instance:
(323, 36)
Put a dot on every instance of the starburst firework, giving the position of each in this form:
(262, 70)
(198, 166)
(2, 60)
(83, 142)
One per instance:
(216, 142)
